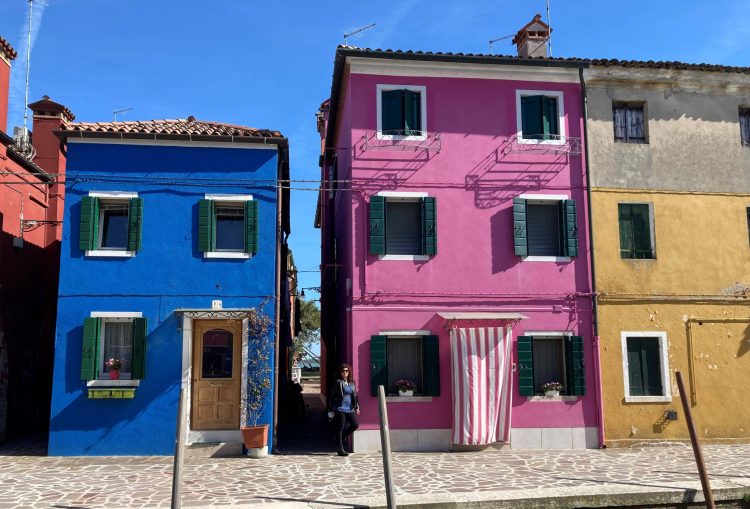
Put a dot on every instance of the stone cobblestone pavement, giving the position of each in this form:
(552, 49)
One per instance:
(505, 478)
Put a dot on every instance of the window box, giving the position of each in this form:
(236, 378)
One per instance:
(111, 393)
(228, 226)
(403, 226)
(545, 228)
(413, 356)
(111, 224)
(629, 122)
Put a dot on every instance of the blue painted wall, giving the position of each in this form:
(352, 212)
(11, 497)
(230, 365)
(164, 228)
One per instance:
(168, 273)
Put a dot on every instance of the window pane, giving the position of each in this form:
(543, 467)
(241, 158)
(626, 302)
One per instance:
(745, 126)
(230, 229)
(644, 367)
(114, 225)
(550, 118)
(635, 231)
(619, 113)
(118, 344)
(392, 106)
(635, 370)
(548, 361)
(531, 117)
(217, 354)
(412, 112)
(404, 361)
(543, 229)
(403, 227)
(635, 123)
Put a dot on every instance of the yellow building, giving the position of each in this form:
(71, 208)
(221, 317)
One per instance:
(669, 163)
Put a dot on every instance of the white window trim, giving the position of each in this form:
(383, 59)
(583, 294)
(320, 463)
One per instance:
(383, 87)
(403, 196)
(111, 253)
(116, 314)
(560, 113)
(404, 332)
(112, 316)
(651, 225)
(229, 255)
(113, 194)
(665, 379)
(540, 199)
(408, 399)
(551, 334)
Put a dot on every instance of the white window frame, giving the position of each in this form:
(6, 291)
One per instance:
(543, 199)
(406, 333)
(666, 385)
(112, 316)
(559, 95)
(651, 225)
(384, 87)
(402, 196)
(110, 253)
(547, 335)
(234, 199)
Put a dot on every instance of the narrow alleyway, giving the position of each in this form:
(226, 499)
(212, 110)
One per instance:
(310, 433)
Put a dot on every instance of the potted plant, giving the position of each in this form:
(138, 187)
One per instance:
(405, 387)
(114, 365)
(259, 371)
(552, 388)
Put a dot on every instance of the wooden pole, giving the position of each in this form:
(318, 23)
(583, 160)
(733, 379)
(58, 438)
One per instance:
(385, 445)
(707, 494)
(179, 460)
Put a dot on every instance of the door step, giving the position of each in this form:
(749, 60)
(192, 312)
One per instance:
(214, 450)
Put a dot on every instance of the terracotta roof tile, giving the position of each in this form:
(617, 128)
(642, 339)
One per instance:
(182, 126)
(7, 50)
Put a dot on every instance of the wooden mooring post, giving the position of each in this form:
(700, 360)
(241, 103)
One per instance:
(385, 445)
(707, 494)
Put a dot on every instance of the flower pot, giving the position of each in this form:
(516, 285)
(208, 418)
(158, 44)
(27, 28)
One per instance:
(405, 393)
(552, 393)
(255, 437)
(114, 374)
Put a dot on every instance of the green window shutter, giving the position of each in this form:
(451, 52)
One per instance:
(635, 231)
(377, 225)
(140, 330)
(431, 365)
(206, 226)
(531, 117)
(429, 226)
(90, 348)
(412, 112)
(627, 249)
(251, 226)
(525, 366)
(576, 373)
(392, 111)
(89, 227)
(570, 227)
(651, 364)
(550, 120)
(378, 363)
(135, 224)
(635, 370)
(520, 245)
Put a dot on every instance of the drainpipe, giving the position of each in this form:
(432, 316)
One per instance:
(282, 153)
(594, 303)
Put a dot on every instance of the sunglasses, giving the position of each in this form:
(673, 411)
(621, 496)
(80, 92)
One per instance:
(344, 370)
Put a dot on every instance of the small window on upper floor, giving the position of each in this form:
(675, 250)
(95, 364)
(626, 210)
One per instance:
(636, 231)
(745, 126)
(403, 226)
(228, 226)
(539, 117)
(629, 122)
(545, 229)
(401, 111)
(111, 224)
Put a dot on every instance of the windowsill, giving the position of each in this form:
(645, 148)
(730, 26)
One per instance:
(653, 259)
(395, 257)
(227, 255)
(558, 259)
(400, 137)
(551, 398)
(526, 141)
(408, 399)
(632, 142)
(648, 399)
(110, 253)
(113, 383)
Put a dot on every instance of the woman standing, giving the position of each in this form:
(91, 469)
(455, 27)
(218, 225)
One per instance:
(343, 406)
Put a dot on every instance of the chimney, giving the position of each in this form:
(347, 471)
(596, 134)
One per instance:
(531, 40)
(7, 54)
(49, 117)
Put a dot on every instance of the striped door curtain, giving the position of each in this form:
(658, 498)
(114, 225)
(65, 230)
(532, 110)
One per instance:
(480, 365)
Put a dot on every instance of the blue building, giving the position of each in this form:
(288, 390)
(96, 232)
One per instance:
(174, 233)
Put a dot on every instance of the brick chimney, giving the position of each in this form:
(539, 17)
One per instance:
(49, 117)
(7, 54)
(531, 40)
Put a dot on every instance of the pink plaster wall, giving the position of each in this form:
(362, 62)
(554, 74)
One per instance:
(475, 268)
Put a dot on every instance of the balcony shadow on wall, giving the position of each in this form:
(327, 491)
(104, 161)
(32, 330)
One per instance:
(503, 174)
(501, 235)
(386, 167)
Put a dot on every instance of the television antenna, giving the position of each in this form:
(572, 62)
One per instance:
(354, 32)
(493, 41)
(22, 138)
(549, 36)
(120, 111)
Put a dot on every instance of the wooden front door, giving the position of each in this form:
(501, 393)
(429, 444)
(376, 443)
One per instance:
(216, 374)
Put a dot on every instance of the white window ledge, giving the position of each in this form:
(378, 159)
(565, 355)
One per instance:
(227, 255)
(648, 399)
(110, 253)
(534, 141)
(552, 398)
(113, 383)
(558, 259)
(404, 258)
(408, 399)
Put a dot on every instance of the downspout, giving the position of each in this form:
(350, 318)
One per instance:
(594, 302)
(282, 152)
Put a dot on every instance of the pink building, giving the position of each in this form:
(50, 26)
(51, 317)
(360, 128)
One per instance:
(455, 242)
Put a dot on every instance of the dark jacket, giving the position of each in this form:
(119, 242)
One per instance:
(336, 396)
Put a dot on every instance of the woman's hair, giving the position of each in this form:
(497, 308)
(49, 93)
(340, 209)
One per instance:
(349, 378)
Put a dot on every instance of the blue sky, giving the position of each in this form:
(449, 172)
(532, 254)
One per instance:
(269, 64)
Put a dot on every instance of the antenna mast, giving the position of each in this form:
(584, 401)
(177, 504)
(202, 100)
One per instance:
(28, 68)
(120, 111)
(549, 37)
(353, 32)
(493, 41)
